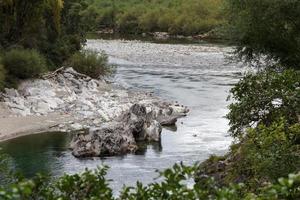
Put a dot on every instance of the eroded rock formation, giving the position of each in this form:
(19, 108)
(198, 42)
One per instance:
(121, 135)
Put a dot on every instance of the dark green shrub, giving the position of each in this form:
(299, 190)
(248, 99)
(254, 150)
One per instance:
(260, 98)
(267, 153)
(90, 63)
(24, 63)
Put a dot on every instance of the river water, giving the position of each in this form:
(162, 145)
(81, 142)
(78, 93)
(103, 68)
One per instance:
(195, 75)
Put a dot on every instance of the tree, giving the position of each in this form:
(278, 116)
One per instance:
(21, 21)
(262, 98)
(266, 28)
(55, 28)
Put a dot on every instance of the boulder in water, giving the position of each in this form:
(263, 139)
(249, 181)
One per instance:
(120, 136)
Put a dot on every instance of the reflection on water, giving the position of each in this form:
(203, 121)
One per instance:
(194, 75)
(37, 153)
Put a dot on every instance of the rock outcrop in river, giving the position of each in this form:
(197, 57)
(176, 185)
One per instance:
(116, 118)
(120, 136)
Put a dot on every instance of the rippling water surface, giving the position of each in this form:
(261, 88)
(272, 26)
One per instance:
(194, 75)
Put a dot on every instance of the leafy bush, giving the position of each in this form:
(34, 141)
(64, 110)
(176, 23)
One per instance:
(263, 97)
(90, 63)
(267, 153)
(23, 63)
(92, 185)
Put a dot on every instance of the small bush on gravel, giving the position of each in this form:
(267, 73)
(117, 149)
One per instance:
(90, 63)
(24, 63)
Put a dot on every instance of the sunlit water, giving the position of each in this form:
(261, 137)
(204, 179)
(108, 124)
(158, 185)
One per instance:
(195, 75)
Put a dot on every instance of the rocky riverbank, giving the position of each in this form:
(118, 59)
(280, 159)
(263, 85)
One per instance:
(212, 35)
(69, 101)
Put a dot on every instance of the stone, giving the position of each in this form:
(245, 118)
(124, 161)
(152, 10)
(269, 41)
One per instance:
(167, 120)
(12, 92)
(97, 122)
(161, 35)
(120, 136)
(152, 131)
(76, 126)
(42, 108)
(111, 139)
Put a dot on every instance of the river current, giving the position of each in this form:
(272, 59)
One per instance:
(195, 75)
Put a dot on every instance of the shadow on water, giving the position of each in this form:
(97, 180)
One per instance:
(41, 152)
(38, 152)
(171, 128)
(144, 146)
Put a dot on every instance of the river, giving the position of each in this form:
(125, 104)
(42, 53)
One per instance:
(195, 75)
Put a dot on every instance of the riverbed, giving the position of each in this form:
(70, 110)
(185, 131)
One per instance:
(195, 75)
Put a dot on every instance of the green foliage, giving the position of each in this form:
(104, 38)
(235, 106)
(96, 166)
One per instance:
(262, 98)
(175, 16)
(267, 153)
(24, 63)
(266, 28)
(175, 185)
(264, 120)
(87, 185)
(53, 27)
(2, 75)
(90, 63)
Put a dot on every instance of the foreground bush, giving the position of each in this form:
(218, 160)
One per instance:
(174, 186)
(24, 63)
(90, 63)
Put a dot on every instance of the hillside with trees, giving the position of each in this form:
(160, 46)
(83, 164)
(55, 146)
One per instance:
(178, 17)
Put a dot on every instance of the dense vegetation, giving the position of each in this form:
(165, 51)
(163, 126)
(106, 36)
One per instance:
(266, 28)
(40, 35)
(49, 26)
(24, 64)
(264, 116)
(181, 17)
(94, 185)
